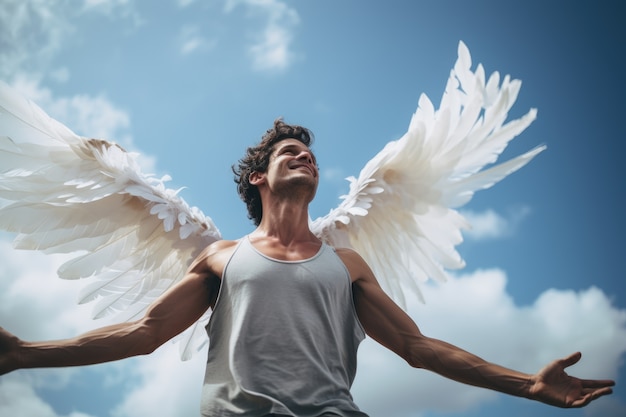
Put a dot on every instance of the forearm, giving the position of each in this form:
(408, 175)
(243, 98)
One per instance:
(106, 344)
(462, 366)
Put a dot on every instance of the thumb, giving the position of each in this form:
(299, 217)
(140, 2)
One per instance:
(571, 359)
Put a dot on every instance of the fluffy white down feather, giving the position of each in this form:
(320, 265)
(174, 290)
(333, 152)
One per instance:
(134, 238)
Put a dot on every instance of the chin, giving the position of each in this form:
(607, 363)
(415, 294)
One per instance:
(302, 185)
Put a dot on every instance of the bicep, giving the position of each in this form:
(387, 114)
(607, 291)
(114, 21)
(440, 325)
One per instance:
(383, 320)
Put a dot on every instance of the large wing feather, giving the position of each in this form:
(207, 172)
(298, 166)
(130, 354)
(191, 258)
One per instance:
(400, 212)
(62, 193)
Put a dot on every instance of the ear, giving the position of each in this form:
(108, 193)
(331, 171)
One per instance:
(257, 178)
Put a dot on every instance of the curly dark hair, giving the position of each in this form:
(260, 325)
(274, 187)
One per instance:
(257, 159)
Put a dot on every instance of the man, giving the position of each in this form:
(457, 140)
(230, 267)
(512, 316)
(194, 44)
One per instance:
(289, 312)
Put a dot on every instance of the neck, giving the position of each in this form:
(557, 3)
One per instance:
(285, 222)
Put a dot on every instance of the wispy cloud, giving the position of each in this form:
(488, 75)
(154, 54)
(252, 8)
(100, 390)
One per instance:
(492, 225)
(191, 40)
(184, 3)
(273, 49)
(111, 7)
(33, 32)
(334, 174)
(19, 399)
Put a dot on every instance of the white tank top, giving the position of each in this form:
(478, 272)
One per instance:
(283, 338)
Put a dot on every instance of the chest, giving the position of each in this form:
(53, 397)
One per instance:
(321, 279)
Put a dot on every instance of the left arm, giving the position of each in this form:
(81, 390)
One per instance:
(390, 326)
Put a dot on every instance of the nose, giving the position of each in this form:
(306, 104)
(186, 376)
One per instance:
(305, 156)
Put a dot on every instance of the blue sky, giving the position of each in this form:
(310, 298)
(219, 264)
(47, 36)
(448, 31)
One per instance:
(189, 84)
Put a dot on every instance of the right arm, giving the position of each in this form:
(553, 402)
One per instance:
(169, 315)
(389, 325)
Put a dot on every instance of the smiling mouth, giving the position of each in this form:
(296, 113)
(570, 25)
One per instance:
(308, 168)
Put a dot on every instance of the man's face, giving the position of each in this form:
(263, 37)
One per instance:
(293, 164)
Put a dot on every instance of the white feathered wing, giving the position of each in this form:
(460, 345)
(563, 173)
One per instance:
(400, 212)
(62, 193)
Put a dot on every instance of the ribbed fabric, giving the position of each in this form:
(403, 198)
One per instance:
(283, 338)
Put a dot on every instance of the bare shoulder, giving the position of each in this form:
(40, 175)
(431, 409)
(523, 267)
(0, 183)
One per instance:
(219, 247)
(214, 257)
(356, 265)
(347, 254)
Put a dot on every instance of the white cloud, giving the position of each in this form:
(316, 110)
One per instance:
(107, 5)
(157, 374)
(29, 284)
(19, 399)
(191, 44)
(191, 40)
(36, 305)
(184, 3)
(333, 174)
(272, 51)
(33, 32)
(492, 225)
(124, 9)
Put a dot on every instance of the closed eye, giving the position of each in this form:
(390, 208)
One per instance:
(294, 150)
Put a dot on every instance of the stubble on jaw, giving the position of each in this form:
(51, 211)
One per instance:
(297, 187)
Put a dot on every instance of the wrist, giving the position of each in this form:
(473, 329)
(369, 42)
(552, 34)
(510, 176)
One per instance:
(528, 391)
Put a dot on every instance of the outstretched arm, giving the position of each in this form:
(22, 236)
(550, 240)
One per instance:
(172, 313)
(389, 325)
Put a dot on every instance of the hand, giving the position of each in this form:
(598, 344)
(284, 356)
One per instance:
(552, 385)
(9, 345)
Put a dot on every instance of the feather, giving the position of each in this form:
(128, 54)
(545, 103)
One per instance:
(400, 213)
(57, 192)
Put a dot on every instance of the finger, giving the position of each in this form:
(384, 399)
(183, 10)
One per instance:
(571, 359)
(583, 401)
(597, 383)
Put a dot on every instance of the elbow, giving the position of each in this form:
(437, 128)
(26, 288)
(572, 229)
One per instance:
(416, 351)
(414, 361)
(150, 345)
(147, 338)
